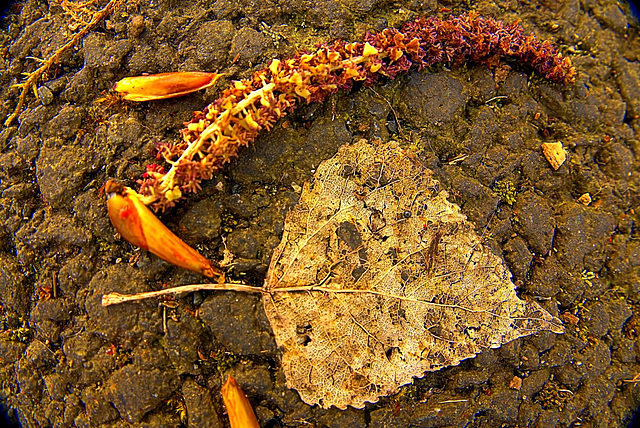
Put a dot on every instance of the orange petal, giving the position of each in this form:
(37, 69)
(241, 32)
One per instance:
(125, 218)
(139, 226)
(238, 407)
(164, 85)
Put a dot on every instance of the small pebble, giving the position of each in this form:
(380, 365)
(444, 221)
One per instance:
(555, 154)
(136, 26)
(516, 383)
(45, 95)
(585, 199)
(569, 318)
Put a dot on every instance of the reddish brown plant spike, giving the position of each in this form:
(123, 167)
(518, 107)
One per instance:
(247, 107)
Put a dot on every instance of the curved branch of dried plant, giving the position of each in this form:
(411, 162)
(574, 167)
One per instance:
(214, 135)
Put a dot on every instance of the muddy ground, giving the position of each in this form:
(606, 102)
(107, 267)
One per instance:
(67, 361)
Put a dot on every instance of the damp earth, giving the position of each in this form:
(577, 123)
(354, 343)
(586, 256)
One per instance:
(67, 361)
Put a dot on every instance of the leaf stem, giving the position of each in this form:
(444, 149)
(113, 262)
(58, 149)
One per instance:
(117, 298)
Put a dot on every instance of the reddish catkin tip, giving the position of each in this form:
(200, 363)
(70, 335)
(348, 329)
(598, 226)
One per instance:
(164, 85)
(238, 407)
(140, 227)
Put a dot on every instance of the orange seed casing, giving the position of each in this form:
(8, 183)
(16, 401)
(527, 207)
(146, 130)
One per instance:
(139, 226)
(164, 85)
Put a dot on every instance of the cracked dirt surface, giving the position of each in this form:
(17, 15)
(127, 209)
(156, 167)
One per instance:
(67, 361)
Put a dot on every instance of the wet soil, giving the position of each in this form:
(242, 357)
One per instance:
(67, 361)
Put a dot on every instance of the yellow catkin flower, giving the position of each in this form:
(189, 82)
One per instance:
(351, 72)
(296, 79)
(395, 54)
(369, 50)
(173, 194)
(273, 67)
(306, 58)
(303, 92)
(251, 123)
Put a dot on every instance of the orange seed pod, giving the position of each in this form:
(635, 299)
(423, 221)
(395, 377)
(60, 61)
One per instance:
(164, 85)
(139, 226)
(238, 407)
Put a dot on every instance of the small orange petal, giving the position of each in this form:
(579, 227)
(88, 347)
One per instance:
(164, 85)
(124, 217)
(238, 407)
(139, 226)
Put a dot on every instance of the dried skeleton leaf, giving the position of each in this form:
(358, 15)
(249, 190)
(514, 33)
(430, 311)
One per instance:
(379, 278)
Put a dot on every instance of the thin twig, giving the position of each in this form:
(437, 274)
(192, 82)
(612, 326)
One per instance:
(635, 381)
(54, 286)
(36, 75)
(395, 115)
(499, 97)
(164, 320)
